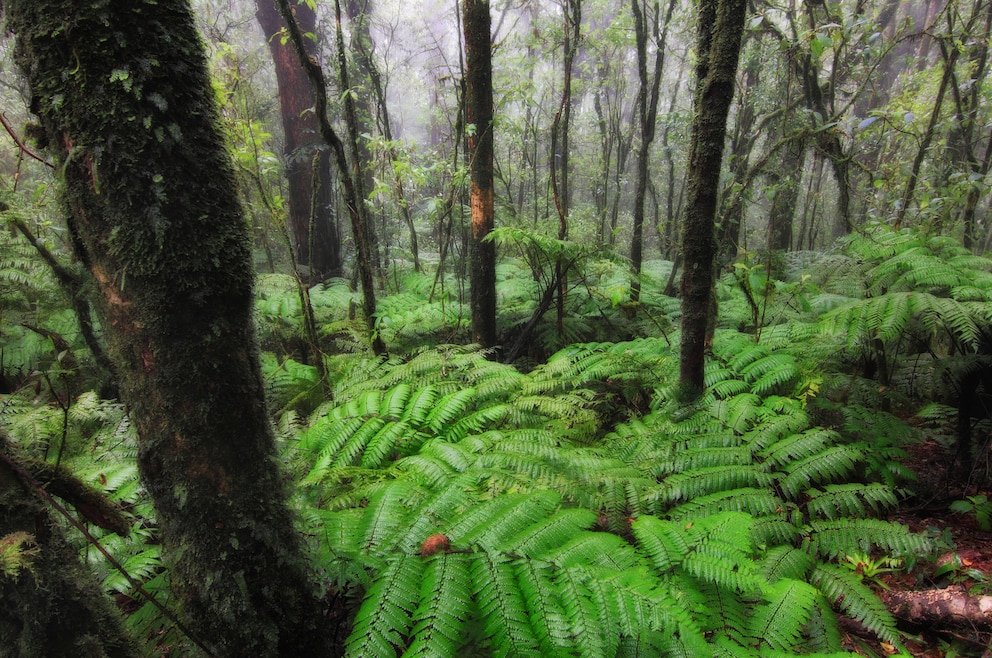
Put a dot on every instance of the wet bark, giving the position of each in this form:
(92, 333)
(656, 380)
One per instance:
(479, 114)
(942, 608)
(122, 91)
(721, 24)
(317, 243)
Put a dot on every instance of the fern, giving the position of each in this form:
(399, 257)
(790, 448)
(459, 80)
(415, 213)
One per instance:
(779, 623)
(844, 589)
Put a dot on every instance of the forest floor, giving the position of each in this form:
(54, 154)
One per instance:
(962, 558)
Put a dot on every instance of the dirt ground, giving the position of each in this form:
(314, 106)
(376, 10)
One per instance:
(962, 557)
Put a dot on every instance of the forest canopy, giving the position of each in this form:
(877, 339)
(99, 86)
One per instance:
(495, 328)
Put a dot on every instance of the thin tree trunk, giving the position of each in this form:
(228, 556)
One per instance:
(479, 115)
(721, 24)
(154, 216)
(560, 160)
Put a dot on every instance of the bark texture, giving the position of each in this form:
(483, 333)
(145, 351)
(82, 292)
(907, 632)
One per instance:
(317, 242)
(951, 607)
(721, 25)
(122, 91)
(479, 113)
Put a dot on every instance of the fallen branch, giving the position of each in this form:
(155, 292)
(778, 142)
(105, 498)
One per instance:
(951, 607)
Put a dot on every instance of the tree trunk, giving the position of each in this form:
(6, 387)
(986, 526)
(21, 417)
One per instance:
(122, 91)
(358, 13)
(721, 25)
(317, 247)
(479, 115)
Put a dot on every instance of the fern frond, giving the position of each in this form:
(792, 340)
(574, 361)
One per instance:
(384, 619)
(703, 481)
(844, 588)
(785, 562)
(544, 608)
(830, 464)
(551, 532)
(494, 521)
(754, 501)
(502, 607)
(779, 623)
(847, 536)
(666, 543)
(443, 611)
(850, 500)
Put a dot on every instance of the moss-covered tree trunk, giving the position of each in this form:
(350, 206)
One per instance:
(121, 89)
(721, 25)
(479, 115)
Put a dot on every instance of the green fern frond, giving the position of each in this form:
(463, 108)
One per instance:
(551, 532)
(841, 537)
(443, 611)
(666, 543)
(837, 501)
(796, 447)
(844, 588)
(756, 502)
(779, 623)
(492, 522)
(831, 464)
(544, 608)
(583, 615)
(502, 607)
(785, 561)
(704, 481)
(384, 618)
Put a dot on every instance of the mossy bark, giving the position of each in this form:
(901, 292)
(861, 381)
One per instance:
(122, 91)
(721, 25)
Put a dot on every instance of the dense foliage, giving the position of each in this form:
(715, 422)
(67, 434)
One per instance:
(554, 496)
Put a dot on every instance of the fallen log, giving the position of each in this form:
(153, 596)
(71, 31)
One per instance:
(950, 607)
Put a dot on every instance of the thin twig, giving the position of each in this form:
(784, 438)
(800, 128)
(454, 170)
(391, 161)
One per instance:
(20, 143)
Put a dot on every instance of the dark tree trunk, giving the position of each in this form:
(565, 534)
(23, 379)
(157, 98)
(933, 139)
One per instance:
(732, 211)
(560, 158)
(122, 91)
(721, 24)
(357, 122)
(479, 115)
(317, 247)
